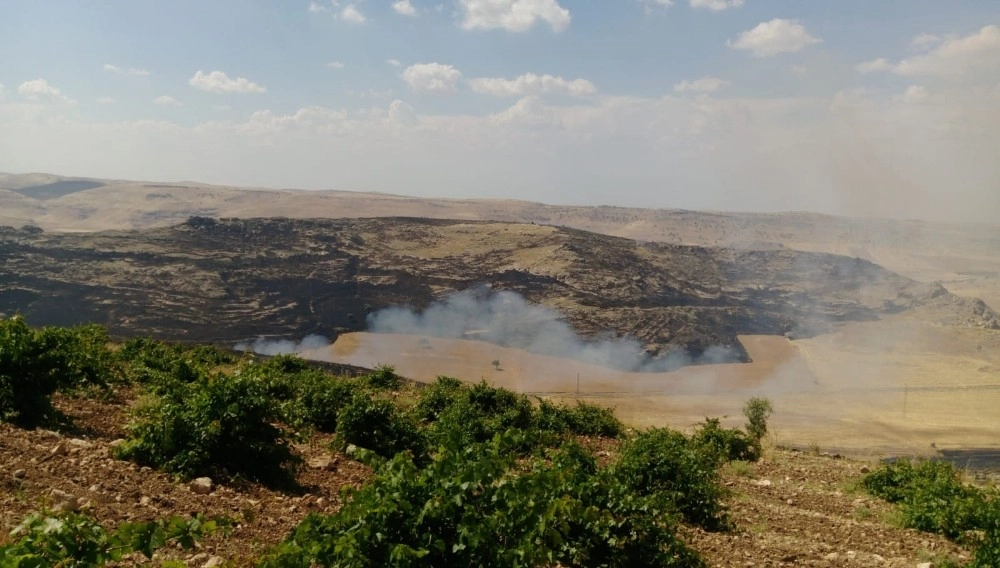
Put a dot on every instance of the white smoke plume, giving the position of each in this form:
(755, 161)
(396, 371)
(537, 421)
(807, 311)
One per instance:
(263, 346)
(506, 318)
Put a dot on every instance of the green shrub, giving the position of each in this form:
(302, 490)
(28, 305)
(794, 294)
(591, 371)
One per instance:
(664, 461)
(727, 444)
(218, 425)
(384, 378)
(757, 410)
(377, 425)
(478, 413)
(931, 494)
(74, 540)
(36, 363)
(438, 396)
(987, 547)
(469, 508)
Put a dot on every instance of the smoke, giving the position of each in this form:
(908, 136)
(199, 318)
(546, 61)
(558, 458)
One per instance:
(507, 319)
(263, 346)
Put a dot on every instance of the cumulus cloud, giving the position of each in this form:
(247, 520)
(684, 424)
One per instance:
(394, 62)
(774, 37)
(39, 90)
(974, 53)
(716, 5)
(350, 13)
(219, 82)
(873, 66)
(431, 77)
(167, 100)
(702, 85)
(130, 71)
(404, 8)
(513, 15)
(335, 65)
(531, 84)
(925, 41)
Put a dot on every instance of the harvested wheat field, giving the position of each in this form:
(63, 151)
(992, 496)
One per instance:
(895, 386)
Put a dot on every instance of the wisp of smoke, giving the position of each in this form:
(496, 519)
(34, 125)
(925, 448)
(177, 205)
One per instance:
(507, 319)
(263, 346)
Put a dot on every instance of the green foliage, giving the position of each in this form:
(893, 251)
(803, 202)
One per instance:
(724, 443)
(662, 461)
(584, 419)
(35, 363)
(933, 498)
(384, 378)
(306, 397)
(74, 540)
(146, 361)
(437, 397)
(218, 425)
(757, 410)
(468, 507)
(376, 425)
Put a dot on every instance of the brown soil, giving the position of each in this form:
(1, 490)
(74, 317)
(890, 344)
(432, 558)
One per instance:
(790, 509)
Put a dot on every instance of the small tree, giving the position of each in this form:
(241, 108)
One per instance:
(757, 410)
(496, 364)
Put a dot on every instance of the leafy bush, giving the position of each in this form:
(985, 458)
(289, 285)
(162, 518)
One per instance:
(437, 397)
(584, 419)
(987, 547)
(223, 423)
(35, 363)
(377, 425)
(147, 361)
(932, 495)
(468, 508)
(664, 461)
(74, 540)
(476, 414)
(384, 377)
(757, 410)
(724, 443)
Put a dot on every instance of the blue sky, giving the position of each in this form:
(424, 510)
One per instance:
(875, 107)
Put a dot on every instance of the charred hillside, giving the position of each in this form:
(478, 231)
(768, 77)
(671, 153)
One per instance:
(232, 279)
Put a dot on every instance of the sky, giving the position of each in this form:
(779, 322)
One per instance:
(885, 108)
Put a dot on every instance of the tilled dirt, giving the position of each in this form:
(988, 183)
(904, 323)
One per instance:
(790, 509)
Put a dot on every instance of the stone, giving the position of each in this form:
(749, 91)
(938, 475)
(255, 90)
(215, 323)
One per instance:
(324, 462)
(20, 474)
(762, 483)
(145, 501)
(831, 556)
(65, 501)
(925, 565)
(214, 561)
(201, 486)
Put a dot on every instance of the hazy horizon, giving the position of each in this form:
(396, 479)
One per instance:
(863, 109)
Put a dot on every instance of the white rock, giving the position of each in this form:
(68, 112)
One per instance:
(324, 462)
(925, 565)
(763, 482)
(201, 486)
(214, 561)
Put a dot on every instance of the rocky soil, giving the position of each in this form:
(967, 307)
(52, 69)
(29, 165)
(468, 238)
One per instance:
(231, 280)
(790, 509)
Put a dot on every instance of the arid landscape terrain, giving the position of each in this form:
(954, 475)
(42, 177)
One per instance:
(891, 347)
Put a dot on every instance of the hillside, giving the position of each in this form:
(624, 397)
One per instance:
(234, 280)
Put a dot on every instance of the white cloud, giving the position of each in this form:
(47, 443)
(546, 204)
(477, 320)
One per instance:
(167, 100)
(404, 7)
(39, 90)
(774, 37)
(875, 65)
(650, 4)
(915, 94)
(925, 41)
(317, 8)
(393, 62)
(106, 100)
(702, 85)
(130, 71)
(974, 53)
(513, 15)
(716, 5)
(350, 13)
(431, 77)
(531, 84)
(219, 82)
(335, 65)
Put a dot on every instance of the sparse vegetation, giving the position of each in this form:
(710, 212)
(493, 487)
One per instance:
(933, 498)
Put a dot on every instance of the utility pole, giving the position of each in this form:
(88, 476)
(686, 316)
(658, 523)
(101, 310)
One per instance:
(578, 385)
